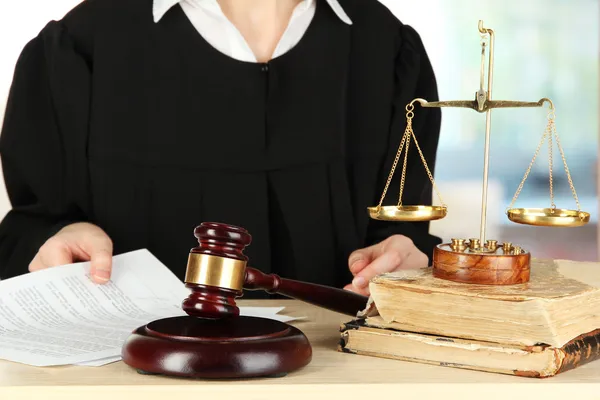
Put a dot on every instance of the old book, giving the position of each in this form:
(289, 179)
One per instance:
(560, 303)
(373, 338)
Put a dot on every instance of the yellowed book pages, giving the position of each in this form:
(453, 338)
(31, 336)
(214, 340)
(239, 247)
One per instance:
(561, 301)
(366, 338)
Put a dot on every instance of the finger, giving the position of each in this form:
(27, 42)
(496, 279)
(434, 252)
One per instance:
(36, 264)
(390, 262)
(391, 253)
(358, 265)
(53, 253)
(359, 259)
(351, 288)
(99, 247)
(101, 266)
(385, 263)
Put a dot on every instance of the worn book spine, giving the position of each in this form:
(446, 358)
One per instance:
(577, 352)
(581, 350)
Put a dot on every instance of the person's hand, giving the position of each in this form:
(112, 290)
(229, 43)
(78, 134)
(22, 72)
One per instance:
(394, 253)
(77, 242)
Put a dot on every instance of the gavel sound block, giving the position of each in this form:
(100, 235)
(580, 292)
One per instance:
(213, 340)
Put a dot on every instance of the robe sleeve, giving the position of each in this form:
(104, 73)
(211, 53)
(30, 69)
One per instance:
(415, 78)
(42, 146)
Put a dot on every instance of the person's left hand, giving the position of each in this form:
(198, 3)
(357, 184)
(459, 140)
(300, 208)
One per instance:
(394, 253)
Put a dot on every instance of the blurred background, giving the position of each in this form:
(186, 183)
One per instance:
(543, 48)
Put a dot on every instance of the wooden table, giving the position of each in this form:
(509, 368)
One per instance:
(331, 375)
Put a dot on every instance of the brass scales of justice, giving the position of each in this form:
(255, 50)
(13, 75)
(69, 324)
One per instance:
(481, 260)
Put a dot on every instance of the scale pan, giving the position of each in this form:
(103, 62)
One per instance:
(548, 217)
(407, 213)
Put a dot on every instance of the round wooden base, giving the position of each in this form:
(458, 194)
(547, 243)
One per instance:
(491, 268)
(236, 347)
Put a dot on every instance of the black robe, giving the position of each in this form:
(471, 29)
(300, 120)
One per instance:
(146, 130)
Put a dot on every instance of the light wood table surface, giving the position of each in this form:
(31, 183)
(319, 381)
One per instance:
(331, 375)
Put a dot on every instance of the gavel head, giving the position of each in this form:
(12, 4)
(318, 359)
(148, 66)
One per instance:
(216, 270)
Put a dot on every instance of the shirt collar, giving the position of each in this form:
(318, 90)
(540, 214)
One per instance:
(160, 8)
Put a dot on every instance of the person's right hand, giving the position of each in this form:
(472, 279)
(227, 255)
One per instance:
(77, 242)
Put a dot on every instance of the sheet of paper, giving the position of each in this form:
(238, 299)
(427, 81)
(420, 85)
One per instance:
(100, 362)
(59, 316)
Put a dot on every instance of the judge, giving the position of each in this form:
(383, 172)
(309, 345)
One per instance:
(130, 122)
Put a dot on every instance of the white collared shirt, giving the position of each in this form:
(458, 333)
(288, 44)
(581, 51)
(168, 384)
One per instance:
(210, 22)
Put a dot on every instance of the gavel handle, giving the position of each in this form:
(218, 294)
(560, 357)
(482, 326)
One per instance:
(338, 300)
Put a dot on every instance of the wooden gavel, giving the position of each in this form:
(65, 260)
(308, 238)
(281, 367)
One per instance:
(217, 273)
(213, 340)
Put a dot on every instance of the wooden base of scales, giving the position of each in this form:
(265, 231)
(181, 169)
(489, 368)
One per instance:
(481, 260)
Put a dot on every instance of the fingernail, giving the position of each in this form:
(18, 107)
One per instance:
(102, 275)
(359, 282)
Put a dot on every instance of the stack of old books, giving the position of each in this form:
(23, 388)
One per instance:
(538, 329)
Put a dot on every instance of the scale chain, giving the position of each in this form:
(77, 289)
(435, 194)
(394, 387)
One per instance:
(550, 162)
(549, 132)
(408, 133)
(537, 150)
(402, 179)
(564, 159)
(428, 171)
(389, 180)
(409, 108)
